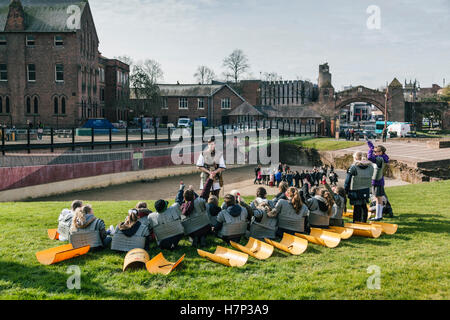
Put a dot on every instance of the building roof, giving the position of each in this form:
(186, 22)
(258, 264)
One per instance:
(189, 90)
(246, 109)
(43, 15)
(396, 83)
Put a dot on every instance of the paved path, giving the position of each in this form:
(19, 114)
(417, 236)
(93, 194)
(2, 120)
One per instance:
(411, 152)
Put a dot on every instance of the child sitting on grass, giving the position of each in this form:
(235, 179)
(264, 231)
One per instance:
(65, 220)
(85, 220)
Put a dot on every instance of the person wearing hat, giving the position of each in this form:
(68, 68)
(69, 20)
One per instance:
(166, 222)
(211, 163)
(232, 221)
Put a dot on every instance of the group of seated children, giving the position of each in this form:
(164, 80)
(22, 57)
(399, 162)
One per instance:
(292, 211)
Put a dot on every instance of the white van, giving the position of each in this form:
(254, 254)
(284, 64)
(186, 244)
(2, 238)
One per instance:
(184, 123)
(402, 129)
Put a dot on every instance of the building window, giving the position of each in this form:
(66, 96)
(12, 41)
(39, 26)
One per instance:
(59, 42)
(201, 103)
(31, 68)
(7, 105)
(164, 104)
(63, 105)
(36, 105)
(3, 72)
(28, 105)
(31, 41)
(1, 105)
(3, 41)
(55, 105)
(102, 94)
(226, 103)
(59, 73)
(183, 103)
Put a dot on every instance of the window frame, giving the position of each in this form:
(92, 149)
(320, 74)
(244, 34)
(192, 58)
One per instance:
(202, 100)
(28, 40)
(58, 43)
(56, 72)
(4, 72)
(181, 103)
(3, 40)
(224, 102)
(28, 72)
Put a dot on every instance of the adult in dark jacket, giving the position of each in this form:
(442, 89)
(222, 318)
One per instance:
(357, 186)
(297, 178)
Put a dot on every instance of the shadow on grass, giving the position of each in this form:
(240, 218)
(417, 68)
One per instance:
(51, 281)
(417, 223)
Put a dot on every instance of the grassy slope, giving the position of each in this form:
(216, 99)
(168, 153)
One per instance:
(414, 262)
(325, 144)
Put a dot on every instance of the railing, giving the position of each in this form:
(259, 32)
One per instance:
(50, 139)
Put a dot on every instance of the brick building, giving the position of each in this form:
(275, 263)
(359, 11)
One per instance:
(49, 63)
(114, 81)
(194, 101)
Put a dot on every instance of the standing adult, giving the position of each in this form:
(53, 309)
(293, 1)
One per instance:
(257, 171)
(357, 186)
(211, 163)
(379, 158)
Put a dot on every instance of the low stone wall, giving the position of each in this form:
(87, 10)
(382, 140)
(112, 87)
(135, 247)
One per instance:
(439, 144)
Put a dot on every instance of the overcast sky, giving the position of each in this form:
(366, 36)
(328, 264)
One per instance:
(290, 37)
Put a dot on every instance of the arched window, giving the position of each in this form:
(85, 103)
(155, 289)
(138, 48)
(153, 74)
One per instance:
(63, 105)
(36, 105)
(1, 105)
(28, 105)
(55, 105)
(7, 105)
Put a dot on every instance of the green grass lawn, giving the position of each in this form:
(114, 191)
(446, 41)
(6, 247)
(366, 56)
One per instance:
(414, 263)
(325, 144)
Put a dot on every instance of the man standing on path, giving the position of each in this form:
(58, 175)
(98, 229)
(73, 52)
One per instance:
(211, 163)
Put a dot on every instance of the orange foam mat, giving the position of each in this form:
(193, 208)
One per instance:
(290, 244)
(135, 259)
(227, 257)
(388, 228)
(345, 233)
(160, 265)
(53, 234)
(255, 248)
(365, 230)
(61, 253)
(321, 237)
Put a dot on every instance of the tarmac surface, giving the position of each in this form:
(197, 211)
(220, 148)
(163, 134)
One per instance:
(235, 179)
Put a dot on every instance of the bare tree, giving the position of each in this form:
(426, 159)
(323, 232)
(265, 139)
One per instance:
(144, 83)
(153, 69)
(236, 64)
(204, 75)
(271, 77)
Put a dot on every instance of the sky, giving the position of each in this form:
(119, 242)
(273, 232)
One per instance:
(408, 39)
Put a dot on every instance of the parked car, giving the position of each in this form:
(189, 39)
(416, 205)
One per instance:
(184, 123)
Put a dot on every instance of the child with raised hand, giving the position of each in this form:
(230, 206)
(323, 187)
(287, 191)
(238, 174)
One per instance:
(379, 158)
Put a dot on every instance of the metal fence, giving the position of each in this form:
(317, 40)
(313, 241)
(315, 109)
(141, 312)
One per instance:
(26, 140)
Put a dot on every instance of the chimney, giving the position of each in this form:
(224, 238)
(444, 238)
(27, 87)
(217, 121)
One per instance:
(16, 17)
